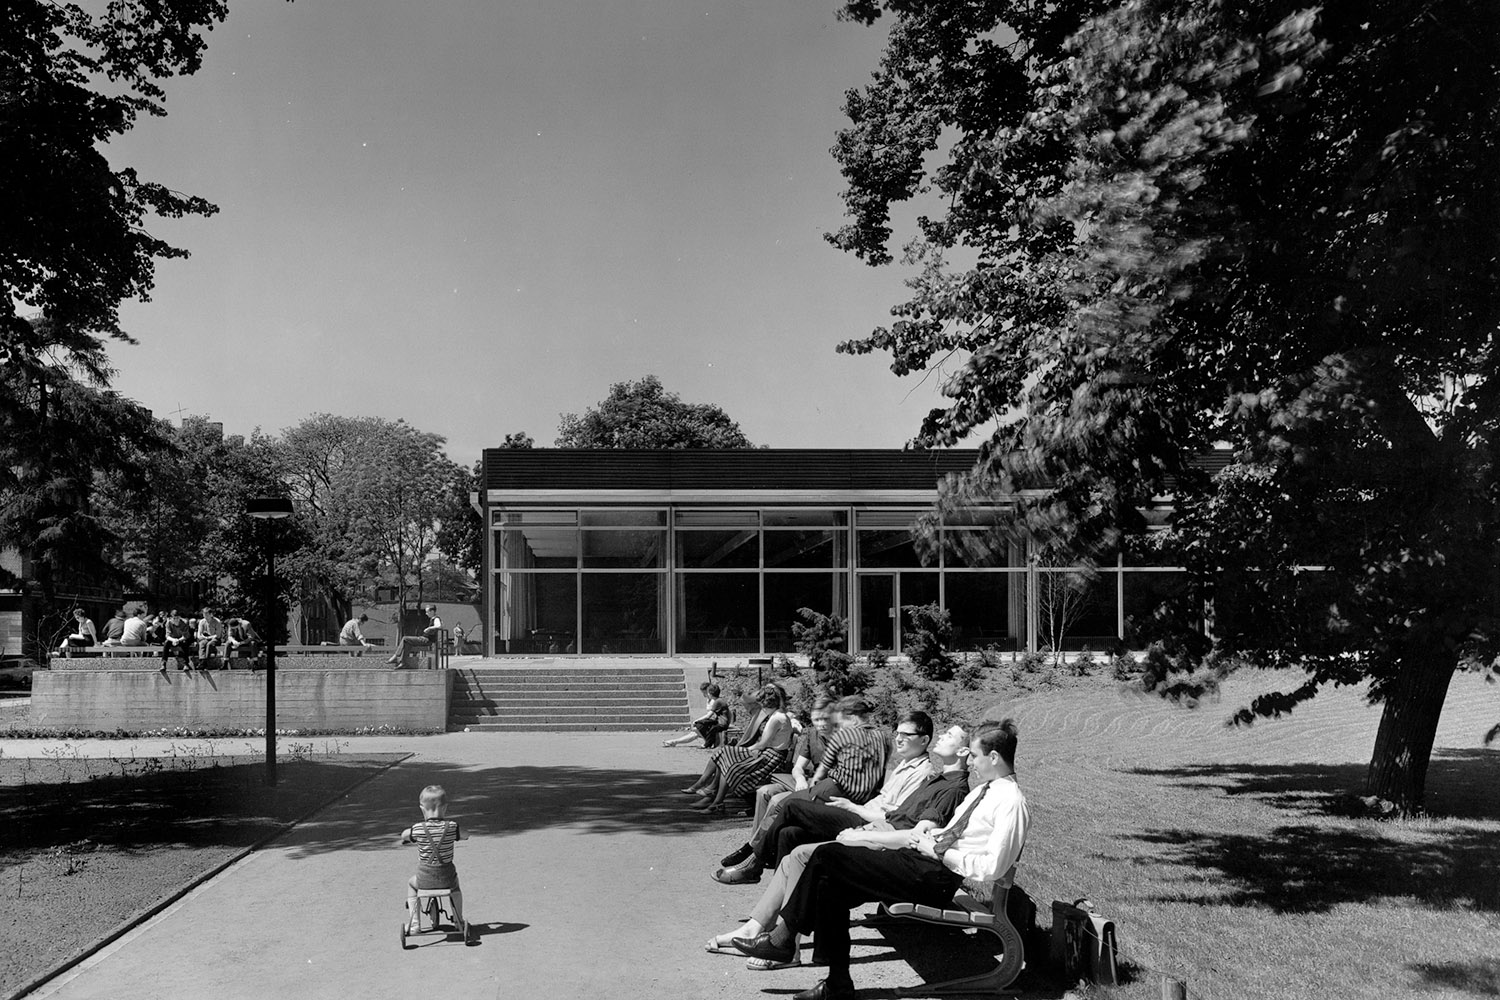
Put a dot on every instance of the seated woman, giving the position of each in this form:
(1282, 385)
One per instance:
(709, 725)
(82, 634)
(739, 770)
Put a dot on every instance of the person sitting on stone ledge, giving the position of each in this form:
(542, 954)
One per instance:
(352, 635)
(114, 629)
(135, 629)
(177, 643)
(240, 640)
(429, 637)
(210, 635)
(82, 635)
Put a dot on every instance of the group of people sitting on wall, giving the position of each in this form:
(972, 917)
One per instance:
(200, 643)
(846, 813)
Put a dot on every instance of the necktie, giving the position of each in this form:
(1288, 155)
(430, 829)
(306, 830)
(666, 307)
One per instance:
(947, 839)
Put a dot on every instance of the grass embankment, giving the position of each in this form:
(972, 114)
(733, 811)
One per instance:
(90, 843)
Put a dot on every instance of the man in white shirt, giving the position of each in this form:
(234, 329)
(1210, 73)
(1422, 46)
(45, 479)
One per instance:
(135, 629)
(430, 636)
(981, 843)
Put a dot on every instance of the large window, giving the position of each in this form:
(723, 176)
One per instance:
(789, 593)
(536, 612)
(718, 612)
(624, 613)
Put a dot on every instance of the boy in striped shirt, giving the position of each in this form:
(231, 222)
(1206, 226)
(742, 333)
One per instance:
(434, 837)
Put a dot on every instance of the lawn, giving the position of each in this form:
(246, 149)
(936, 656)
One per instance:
(1228, 860)
(90, 843)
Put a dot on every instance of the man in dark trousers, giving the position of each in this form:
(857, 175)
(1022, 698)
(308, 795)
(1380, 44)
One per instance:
(982, 842)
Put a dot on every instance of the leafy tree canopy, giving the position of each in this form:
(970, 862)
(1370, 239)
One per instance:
(73, 242)
(643, 414)
(1184, 222)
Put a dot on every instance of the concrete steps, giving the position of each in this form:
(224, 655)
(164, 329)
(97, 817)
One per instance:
(569, 698)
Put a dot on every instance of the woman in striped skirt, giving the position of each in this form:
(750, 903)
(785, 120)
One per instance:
(740, 770)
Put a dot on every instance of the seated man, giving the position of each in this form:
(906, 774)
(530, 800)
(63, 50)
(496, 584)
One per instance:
(135, 630)
(805, 820)
(240, 640)
(114, 629)
(177, 642)
(352, 635)
(429, 636)
(210, 636)
(982, 843)
(928, 808)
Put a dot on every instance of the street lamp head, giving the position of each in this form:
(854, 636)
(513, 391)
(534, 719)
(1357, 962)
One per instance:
(269, 508)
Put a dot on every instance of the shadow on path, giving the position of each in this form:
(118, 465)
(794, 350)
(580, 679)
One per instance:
(506, 801)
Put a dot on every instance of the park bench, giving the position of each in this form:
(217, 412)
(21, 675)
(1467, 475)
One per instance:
(980, 905)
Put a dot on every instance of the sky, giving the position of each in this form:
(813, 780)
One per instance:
(476, 216)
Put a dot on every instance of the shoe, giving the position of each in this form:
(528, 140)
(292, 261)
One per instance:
(690, 790)
(705, 804)
(761, 946)
(823, 991)
(769, 965)
(746, 874)
(739, 855)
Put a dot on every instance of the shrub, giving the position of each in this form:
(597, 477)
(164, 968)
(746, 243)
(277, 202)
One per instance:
(878, 658)
(927, 641)
(785, 666)
(994, 656)
(1084, 663)
(819, 636)
(1030, 662)
(1122, 666)
(970, 676)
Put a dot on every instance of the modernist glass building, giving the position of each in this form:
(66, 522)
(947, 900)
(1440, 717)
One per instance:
(713, 553)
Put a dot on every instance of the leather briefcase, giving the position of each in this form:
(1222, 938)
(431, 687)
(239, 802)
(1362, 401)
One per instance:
(1083, 943)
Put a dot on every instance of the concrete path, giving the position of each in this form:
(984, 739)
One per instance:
(583, 872)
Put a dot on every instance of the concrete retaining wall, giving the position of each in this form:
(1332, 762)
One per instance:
(305, 699)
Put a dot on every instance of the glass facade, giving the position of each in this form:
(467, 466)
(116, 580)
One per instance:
(705, 581)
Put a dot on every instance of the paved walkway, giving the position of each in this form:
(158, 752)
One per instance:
(587, 876)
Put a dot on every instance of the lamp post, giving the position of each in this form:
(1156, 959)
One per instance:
(270, 509)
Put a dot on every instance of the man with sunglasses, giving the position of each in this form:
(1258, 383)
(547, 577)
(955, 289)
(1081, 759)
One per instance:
(806, 820)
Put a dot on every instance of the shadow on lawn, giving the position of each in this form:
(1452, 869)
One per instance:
(1480, 977)
(1461, 784)
(1314, 866)
(502, 801)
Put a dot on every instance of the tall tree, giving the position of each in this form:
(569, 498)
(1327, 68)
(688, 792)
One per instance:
(73, 246)
(644, 414)
(370, 492)
(1185, 222)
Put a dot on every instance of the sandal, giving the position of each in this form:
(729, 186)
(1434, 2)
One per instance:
(770, 965)
(719, 945)
(690, 791)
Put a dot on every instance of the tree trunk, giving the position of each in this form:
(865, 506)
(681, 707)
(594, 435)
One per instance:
(1408, 726)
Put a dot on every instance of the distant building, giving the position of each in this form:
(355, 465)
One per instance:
(714, 552)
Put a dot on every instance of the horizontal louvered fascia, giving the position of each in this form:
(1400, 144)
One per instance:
(687, 470)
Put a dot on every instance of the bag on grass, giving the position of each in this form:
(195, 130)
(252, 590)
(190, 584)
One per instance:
(1083, 942)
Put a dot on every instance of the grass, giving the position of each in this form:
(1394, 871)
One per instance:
(1227, 858)
(92, 842)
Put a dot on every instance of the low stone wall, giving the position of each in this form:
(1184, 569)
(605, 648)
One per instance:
(343, 698)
